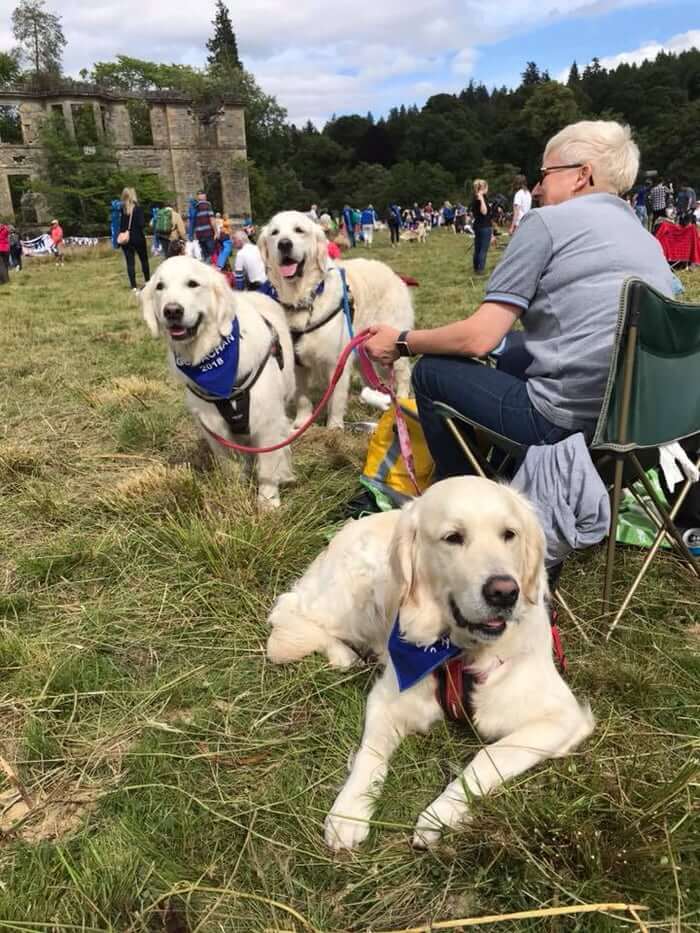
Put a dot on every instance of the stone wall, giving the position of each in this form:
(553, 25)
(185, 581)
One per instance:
(183, 151)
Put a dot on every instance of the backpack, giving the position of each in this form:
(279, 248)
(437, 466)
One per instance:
(164, 221)
(385, 475)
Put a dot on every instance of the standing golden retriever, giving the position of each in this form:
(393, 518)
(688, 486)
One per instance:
(310, 289)
(233, 353)
(460, 569)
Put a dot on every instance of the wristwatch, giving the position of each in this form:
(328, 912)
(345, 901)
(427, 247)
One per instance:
(402, 344)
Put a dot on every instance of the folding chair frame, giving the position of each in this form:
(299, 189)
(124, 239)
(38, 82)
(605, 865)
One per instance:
(620, 451)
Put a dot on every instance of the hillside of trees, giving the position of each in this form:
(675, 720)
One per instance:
(434, 151)
(413, 153)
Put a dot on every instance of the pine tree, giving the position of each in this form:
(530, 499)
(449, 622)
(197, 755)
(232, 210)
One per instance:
(40, 36)
(531, 75)
(574, 76)
(222, 46)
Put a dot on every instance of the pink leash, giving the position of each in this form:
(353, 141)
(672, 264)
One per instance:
(369, 374)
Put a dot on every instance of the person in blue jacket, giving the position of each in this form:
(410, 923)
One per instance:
(349, 224)
(368, 220)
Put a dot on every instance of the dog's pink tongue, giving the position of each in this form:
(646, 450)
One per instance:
(494, 623)
(289, 269)
(177, 331)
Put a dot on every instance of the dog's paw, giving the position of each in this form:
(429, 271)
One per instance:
(448, 810)
(425, 836)
(336, 424)
(341, 656)
(344, 833)
(268, 503)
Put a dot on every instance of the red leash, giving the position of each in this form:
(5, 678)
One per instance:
(369, 374)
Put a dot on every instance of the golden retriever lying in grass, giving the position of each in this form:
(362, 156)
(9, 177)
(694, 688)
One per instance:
(463, 566)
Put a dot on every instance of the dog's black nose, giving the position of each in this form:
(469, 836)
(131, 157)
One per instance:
(501, 592)
(173, 312)
(285, 245)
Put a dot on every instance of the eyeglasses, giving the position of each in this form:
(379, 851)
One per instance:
(559, 168)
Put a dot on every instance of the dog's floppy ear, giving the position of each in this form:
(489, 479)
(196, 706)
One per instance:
(262, 245)
(148, 307)
(533, 552)
(223, 303)
(270, 266)
(321, 248)
(420, 615)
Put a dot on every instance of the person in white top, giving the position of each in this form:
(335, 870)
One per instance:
(522, 201)
(249, 268)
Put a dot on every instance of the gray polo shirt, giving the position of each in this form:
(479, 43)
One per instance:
(564, 268)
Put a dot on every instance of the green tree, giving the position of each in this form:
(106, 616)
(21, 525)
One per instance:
(40, 36)
(550, 108)
(79, 187)
(9, 68)
(222, 47)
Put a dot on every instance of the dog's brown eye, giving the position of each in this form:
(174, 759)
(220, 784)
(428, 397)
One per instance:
(274, 233)
(508, 534)
(192, 284)
(160, 287)
(298, 230)
(454, 537)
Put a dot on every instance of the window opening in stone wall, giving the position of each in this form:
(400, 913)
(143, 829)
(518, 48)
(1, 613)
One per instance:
(212, 187)
(84, 124)
(22, 198)
(104, 117)
(10, 124)
(140, 119)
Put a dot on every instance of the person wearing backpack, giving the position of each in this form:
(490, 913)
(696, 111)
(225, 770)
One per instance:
(169, 228)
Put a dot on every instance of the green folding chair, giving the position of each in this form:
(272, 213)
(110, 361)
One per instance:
(652, 398)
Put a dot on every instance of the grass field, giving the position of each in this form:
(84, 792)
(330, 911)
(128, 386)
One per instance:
(158, 775)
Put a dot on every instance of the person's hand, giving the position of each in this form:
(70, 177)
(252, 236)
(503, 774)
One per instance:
(381, 346)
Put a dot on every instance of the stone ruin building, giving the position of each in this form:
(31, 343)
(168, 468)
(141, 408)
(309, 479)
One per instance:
(156, 132)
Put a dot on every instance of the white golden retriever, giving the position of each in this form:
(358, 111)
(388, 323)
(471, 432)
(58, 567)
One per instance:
(309, 288)
(464, 561)
(191, 303)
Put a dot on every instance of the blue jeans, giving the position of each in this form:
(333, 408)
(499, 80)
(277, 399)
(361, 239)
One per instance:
(495, 398)
(482, 239)
(208, 247)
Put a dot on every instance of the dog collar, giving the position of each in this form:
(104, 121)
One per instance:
(412, 662)
(215, 375)
(304, 304)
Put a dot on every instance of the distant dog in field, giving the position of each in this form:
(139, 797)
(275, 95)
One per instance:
(457, 573)
(309, 287)
(233, 353)
(418, 234)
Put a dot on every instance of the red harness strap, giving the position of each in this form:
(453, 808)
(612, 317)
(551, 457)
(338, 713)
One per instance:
(456, 680)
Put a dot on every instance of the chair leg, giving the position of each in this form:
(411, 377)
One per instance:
(465, 448)
(668, 523)
(662, 532)
(614, 514)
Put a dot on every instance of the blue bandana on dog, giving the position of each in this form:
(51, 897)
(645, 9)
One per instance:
(411, 662)
(216, 374)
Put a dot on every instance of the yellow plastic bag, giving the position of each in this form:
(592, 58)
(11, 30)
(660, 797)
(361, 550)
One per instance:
(385, 473)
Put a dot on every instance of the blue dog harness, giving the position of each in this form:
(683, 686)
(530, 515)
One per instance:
(215, 378)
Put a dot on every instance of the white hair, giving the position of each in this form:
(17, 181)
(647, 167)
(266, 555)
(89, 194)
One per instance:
(240, 235)
(605, 145)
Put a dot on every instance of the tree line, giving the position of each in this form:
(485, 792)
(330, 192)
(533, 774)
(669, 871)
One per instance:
(411, 154)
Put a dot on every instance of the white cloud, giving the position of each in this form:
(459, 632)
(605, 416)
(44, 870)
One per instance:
(319, 58)
(647, 52)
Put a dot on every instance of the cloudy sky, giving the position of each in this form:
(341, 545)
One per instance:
(319, 57)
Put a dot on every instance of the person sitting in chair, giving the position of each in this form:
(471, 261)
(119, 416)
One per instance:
(560, 277)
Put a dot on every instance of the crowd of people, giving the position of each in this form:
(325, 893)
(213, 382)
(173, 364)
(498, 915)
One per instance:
(659, 201)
